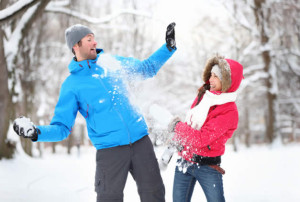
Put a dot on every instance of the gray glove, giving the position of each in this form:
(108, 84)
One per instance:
(172, 124)
(172, 146)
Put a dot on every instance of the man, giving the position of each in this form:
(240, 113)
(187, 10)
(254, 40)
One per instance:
(115, 128)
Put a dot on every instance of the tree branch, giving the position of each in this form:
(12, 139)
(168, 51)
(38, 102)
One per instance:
(36, 14)
(55, 9)
(16, 9)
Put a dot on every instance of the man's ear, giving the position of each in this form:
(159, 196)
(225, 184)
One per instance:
(75, 47)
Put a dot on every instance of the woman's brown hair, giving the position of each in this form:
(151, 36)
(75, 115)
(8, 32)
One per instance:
(201, 91)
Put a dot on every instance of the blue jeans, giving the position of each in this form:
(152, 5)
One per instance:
(210, 180)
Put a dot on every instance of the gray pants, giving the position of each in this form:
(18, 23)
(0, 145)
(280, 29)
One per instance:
(113, 165)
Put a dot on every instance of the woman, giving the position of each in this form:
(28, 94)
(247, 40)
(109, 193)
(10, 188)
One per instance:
(209, 124)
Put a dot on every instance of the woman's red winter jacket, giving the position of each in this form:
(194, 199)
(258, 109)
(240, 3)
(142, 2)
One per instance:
(221, 122)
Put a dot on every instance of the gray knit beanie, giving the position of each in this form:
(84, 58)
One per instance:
(75, 33)
(217, 70)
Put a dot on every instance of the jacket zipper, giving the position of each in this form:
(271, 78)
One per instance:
(119, 114)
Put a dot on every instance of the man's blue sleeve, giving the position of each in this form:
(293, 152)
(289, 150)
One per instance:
(63, 119)
(148, 67)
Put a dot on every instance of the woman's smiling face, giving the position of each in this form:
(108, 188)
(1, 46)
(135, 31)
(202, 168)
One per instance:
(215, 82)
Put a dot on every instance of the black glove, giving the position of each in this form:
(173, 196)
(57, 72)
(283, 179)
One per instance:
(170, 36)
(25, 128)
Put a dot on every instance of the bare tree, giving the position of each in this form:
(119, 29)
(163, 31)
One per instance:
(270, 59)
(6, 148)
(262, 18)
(20, 26)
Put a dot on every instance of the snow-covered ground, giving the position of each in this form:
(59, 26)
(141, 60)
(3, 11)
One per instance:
(261, 173)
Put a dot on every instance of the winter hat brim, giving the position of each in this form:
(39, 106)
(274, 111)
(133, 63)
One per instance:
(75, 33)
(216, 69)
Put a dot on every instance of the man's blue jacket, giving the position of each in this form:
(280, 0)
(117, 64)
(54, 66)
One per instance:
(100, 95)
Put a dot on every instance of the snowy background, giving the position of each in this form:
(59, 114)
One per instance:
(261, 160)
(260, 174)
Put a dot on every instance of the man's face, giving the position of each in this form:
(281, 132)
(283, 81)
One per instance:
(86, 48)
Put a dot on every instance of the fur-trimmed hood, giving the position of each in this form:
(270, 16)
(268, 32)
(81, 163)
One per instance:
(232, 72)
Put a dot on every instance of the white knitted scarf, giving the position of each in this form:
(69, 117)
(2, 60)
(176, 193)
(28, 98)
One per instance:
(196, 116)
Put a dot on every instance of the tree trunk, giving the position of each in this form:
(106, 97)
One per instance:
(262, 20)
(6, 148)
(70, 143)
(53, 145)
(6, 107)
(247, 128)
(25, 62)
(271, 103)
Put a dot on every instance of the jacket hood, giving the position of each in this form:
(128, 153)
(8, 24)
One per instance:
(231, 70)
(76, 66)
